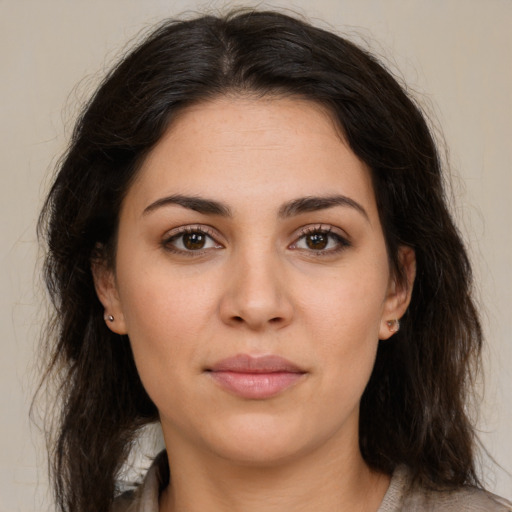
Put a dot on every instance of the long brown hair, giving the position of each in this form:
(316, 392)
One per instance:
(413, 410)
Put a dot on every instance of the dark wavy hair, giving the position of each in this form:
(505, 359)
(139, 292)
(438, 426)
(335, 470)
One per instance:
(414, 409)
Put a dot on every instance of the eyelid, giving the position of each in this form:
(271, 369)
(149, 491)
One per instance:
(342, 238)
(190, 228)
(179, 231)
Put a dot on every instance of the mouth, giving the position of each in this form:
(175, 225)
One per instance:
(255, 378)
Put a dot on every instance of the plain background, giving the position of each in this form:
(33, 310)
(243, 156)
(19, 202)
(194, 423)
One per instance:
(456, 56)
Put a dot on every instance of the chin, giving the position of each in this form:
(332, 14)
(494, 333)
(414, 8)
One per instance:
(262, 441)
(260, 452)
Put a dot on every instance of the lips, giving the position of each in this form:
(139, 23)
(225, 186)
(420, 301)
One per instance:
(255, 378)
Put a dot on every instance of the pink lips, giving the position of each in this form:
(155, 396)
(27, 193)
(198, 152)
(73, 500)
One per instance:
(255, 377)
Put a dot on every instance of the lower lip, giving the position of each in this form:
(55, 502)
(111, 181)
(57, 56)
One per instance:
(256, 386)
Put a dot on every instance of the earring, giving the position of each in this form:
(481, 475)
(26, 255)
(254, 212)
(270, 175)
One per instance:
(393, 325)
(110, 318)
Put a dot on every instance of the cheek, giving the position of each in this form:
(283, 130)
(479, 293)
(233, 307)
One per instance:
(348, 304)
(168, 314)
(343, 319)
(159, 314)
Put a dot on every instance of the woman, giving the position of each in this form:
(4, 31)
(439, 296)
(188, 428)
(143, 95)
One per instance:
(248, 242)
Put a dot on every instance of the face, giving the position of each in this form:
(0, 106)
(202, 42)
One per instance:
(252, 279)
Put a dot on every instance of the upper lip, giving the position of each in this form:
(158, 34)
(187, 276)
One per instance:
(244, 363)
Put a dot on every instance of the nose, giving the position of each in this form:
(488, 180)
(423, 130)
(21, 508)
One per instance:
(256, 295)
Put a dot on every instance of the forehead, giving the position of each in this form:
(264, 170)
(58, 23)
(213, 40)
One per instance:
(255, 150)
(245, 123)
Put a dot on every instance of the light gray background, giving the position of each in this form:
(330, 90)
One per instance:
(456, 54)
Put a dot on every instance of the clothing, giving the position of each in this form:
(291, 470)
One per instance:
(400, 497)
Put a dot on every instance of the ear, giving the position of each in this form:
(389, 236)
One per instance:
(106, 289)
(399, 294)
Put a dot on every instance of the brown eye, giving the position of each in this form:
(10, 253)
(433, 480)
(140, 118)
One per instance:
(194, 241)
(191, 240)
(317, 241)
(320, 241)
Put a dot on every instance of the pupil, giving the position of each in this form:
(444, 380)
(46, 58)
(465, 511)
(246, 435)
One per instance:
(194, 241)
(317, 241)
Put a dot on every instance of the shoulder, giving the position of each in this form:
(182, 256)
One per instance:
(465, 499)
(401, 497)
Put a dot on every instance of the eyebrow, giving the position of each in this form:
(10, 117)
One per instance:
(198, 204)
(312, 203)
(289, 209)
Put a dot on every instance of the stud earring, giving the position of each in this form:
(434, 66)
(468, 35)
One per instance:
(110, 318)
(393, 325)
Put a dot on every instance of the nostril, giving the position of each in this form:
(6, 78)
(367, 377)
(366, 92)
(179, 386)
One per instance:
(275, 320)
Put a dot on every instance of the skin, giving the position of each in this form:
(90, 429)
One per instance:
(258, 286)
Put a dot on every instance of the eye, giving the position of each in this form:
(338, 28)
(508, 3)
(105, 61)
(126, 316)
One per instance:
(190, 239)
(320, 240)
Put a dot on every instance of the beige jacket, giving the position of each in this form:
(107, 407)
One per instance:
(400, 497)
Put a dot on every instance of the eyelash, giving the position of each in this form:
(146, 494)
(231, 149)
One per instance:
(168, 242)
(341, 243)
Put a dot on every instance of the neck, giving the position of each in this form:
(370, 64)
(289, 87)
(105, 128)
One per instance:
(319, 481)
